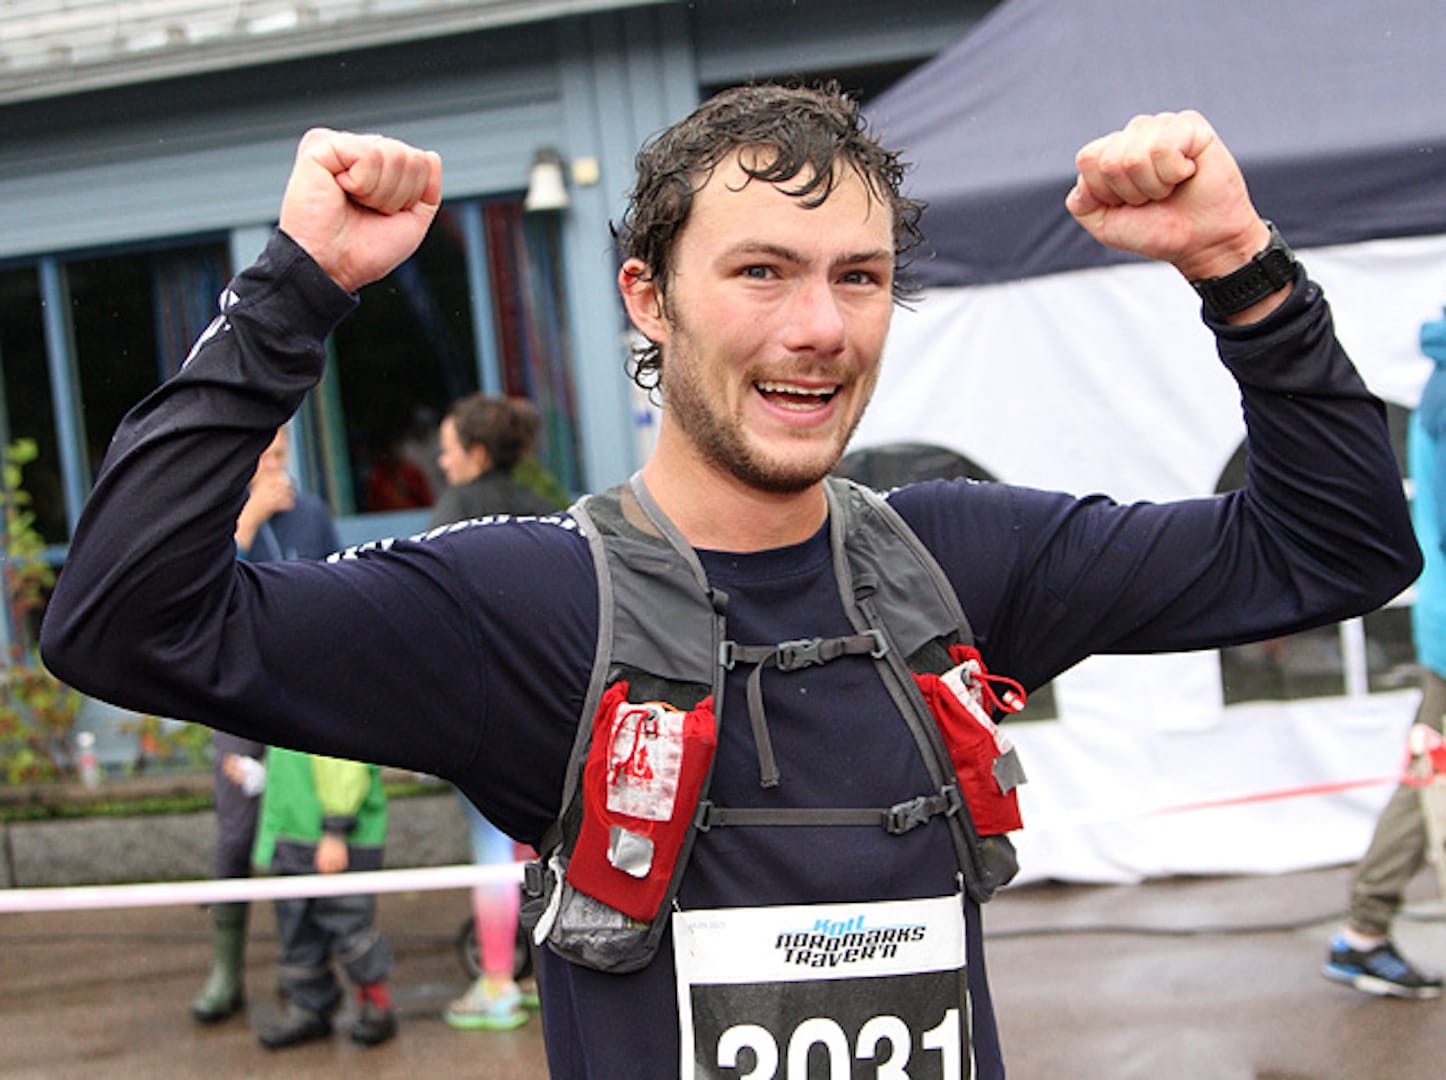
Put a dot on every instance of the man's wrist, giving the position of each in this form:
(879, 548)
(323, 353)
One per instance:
(1269, 270)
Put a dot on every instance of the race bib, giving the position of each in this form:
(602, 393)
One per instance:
(824, 991)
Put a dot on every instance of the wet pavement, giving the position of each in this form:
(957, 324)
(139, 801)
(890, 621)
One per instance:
(1205, 979)
(104, 995)
(1184, 979)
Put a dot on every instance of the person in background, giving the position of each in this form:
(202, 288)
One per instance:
(276, 522)
(1362, 953)
(324, 815)
(482, 439)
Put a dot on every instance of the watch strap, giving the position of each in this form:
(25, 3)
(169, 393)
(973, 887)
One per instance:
(1272, 268)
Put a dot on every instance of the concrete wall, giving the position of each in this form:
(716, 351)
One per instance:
(423, 830)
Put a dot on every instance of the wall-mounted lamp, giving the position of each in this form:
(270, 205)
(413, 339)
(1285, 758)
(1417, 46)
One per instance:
(546, 189)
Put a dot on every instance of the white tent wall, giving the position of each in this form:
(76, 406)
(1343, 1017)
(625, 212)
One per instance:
(1105, 380)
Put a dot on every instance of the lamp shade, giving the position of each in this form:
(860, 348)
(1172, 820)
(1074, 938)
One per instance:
(546, 189)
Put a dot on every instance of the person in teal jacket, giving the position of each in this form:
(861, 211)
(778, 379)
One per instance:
(324, 815)
(1362, 953)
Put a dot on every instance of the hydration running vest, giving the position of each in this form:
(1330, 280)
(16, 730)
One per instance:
(636, 789)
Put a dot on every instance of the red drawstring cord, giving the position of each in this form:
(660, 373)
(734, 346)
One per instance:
(1010, 698)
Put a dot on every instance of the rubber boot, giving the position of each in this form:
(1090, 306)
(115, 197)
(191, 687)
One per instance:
(296, 1026)
(224, 993)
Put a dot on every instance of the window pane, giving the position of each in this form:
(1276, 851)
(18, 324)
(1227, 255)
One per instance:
(402, 358)
(28, 406)
(532, 331)
(1301, 665)
(115, 337)
(134, 316)
(410, 351)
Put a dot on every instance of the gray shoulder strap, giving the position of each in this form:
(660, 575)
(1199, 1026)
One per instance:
(650, 587)
(598, 679)
(876, 552)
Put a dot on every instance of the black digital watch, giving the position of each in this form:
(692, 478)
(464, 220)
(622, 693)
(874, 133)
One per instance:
(1272, 268)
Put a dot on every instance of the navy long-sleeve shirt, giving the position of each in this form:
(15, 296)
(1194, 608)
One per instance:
(467, 654)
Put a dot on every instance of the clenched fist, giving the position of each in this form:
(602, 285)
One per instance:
(360, 204)
(1166, 187)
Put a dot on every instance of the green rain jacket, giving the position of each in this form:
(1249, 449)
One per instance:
(309, 794)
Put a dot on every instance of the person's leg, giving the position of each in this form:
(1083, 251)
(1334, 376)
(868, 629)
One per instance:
(306, 978)
(1396, 854)
(223, 994)
(366, 957)
(1362, 954)
(496, 907)
(1398, 846)
(235, 810)
(494, 1002)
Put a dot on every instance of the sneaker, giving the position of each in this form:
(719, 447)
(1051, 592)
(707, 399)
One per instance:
(1381, 971)
(482, 1008)
(374, 1026)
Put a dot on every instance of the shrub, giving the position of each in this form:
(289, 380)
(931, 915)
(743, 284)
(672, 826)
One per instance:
(37, 710)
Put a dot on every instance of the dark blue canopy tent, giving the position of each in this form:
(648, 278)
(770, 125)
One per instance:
(1334, 108)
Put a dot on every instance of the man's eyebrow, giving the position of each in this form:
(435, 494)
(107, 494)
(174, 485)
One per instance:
(764, 247)
(780, 251)
(873, 255)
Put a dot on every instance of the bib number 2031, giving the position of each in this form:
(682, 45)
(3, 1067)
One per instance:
(822, 1045)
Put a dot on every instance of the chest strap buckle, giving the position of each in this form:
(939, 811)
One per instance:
(901, 817)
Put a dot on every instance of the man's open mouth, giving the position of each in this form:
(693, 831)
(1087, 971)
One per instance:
(797, 398)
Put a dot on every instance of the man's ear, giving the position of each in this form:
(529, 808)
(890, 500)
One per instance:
(643, 300)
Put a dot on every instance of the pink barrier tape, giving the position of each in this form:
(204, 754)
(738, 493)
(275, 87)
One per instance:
(1302, 791)
(1135, 811)
(163, 893)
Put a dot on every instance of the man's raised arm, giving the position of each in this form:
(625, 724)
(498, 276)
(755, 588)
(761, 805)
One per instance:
(150, 610)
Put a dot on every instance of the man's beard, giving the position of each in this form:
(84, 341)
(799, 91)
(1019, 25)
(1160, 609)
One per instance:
(722, 443)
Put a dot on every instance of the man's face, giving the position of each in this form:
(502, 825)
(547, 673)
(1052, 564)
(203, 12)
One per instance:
(772, 325)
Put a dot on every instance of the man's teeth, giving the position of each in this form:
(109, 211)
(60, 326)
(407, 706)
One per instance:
(797, 397)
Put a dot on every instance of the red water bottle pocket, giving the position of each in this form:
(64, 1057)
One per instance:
(985, 761)
(640, 788)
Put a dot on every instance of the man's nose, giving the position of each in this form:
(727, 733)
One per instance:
(815, 320)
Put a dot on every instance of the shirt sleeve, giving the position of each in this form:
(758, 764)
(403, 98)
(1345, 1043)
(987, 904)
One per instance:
(1320, 532)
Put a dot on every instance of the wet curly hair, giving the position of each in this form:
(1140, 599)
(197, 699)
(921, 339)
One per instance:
(815, 133)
